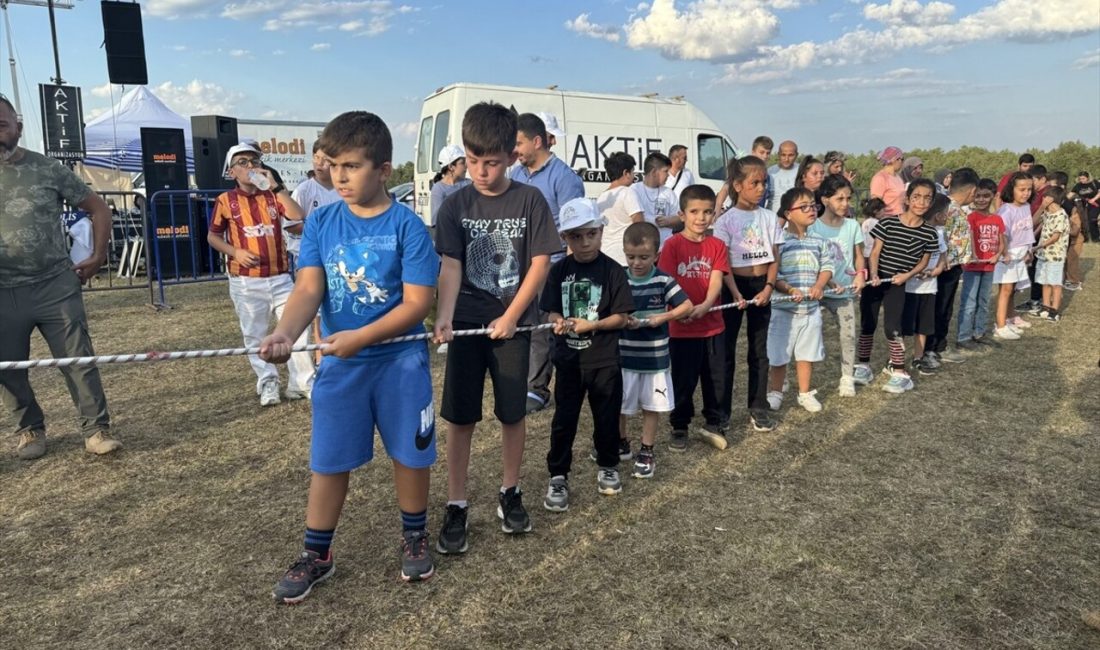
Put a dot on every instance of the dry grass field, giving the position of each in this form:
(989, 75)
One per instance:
(965, 514)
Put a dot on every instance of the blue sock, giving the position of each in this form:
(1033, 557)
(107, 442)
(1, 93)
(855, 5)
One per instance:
(414, 520)
(319, 541)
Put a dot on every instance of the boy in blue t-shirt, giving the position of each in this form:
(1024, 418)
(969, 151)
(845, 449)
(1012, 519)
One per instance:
(643, 345)
(369, 265)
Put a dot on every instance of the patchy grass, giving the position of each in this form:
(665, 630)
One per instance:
(963, 515)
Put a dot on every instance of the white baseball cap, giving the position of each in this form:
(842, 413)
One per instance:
(239, 148)
(580, 213)
(451, 153)
(551, 122)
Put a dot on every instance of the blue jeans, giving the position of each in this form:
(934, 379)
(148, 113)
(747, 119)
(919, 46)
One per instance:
(977, 286)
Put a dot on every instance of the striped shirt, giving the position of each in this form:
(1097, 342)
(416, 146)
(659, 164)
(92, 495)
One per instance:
(252, 222)
(646, 348)
(801, 261)
(902, 245)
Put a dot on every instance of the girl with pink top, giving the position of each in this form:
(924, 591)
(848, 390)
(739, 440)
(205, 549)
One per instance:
(1015, 211)
(887, 184)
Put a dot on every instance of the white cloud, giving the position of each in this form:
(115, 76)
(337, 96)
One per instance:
(585, 27)
(352, 26)
(105, 90)
(1089, 60)
(406, 129)
(900, 77)
(909, 12)
(198, 97)
(251, 9)
(179, 48)
(278, 52)
(177, 8)
(239, 53)
(708, 30)
(320, 47)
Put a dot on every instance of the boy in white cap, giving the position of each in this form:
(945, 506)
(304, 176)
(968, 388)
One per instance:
(450, 178)
(247, 228)
(587, 298)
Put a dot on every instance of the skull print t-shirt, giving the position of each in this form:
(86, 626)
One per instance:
(588, 291)
(367, 262)
(495, 238)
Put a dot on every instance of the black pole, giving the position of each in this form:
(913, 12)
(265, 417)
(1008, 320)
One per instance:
(53, 34)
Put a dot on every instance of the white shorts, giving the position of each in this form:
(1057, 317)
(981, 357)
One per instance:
(795, 335)
(1011, 272)
(647, 391)
(1049, 273)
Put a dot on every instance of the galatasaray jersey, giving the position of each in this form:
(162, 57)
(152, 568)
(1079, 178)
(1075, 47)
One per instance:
(253, 222)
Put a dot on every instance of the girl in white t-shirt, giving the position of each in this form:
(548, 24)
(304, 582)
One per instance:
(1015, 211)
(752, 236)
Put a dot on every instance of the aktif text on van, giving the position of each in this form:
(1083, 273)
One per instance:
(592, 150)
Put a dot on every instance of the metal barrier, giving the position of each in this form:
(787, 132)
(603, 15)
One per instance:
(177, 224)
(127, 256)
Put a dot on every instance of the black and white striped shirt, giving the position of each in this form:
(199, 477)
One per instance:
(902, 245)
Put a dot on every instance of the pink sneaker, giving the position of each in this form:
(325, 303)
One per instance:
(1020, 322)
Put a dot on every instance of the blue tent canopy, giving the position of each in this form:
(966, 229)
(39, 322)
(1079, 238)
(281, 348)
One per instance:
(113, 139)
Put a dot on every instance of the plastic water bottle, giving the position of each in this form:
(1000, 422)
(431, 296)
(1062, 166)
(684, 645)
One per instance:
(259, 180)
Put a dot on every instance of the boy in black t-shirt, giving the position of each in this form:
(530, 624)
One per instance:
(495, 239)
(588, 298)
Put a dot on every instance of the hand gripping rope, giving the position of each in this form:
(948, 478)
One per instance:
(234, 352)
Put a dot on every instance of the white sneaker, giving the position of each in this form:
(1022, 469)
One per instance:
(294, 394)
(863, 374)
(269, 393)
(1016, 330)
(1019, 323)
(775, 399)
(809, 402)
(847, 387)
(1005, 333)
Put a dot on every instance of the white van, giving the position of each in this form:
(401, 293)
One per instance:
(595, 126)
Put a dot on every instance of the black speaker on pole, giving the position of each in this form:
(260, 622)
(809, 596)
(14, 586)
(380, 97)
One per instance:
(178, 225)
(125, 43)
(212, 136)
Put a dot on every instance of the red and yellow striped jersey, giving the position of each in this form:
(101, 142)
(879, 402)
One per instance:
(253, 222)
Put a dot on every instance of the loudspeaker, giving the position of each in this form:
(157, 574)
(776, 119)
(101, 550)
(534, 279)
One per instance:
(177, 233)
(125, 43)
(212, 136)
(163, 159)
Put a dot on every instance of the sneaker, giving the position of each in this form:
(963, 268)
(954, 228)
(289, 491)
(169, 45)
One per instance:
(987, 342)
(931, 361)
(100, 443)
(607, 481)
(1005, 333)
(299, 579)
(624, 451)
(1072, 286)
(644, 464)
(968, 345)
(293, 394)
(761, 420)
(922, 367)
(679, 441)
(452, 537)
(1028, 307)
(899, 383)
(775, 399)
(1020, 323)
(32, 444)
(416, 559)
(1054, 317)
(269, 393)
(557, 495)
(535, 404)
(1019, 331)
(809, 401)
(713, 435)
(847, 387)
(862, 374)
(513, 518)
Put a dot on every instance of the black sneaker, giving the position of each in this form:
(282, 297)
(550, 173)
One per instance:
(968, 346)
(678, 442)
(624, 451)
(988, 342)
(299, 579)
(416, 559)
(513, 518)
(762, 420)
(922, 367)
(452, 537)
(644, 464)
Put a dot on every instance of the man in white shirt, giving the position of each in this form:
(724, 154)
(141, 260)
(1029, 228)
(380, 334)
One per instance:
(660, 205)
(619, 205)
(783, 174)
(679, 176)
(310, 194)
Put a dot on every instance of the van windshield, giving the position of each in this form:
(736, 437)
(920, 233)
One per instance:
(712, 157)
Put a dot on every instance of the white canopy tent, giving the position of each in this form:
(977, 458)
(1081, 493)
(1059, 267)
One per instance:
(113, 140)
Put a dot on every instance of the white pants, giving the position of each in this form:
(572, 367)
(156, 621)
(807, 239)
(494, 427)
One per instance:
(256, 299)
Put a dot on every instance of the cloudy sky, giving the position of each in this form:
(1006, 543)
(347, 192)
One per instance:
(831, 74)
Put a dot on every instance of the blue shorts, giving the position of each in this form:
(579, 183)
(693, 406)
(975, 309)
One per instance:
(1049, 273)
(351, 398)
